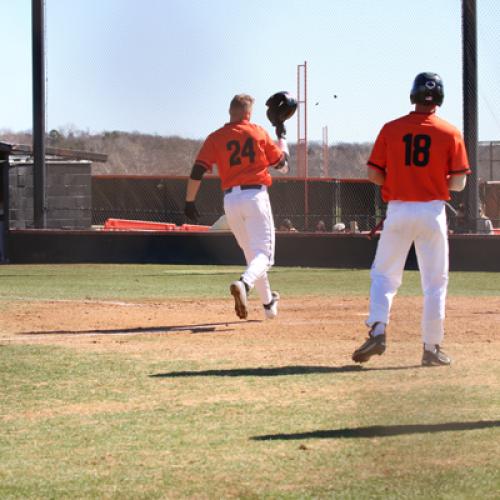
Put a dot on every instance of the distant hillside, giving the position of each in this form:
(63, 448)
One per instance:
(136, 153)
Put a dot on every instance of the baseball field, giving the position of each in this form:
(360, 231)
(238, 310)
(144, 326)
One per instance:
(129, 382)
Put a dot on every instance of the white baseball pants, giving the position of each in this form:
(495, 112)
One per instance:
(424, 224)
(250, 218)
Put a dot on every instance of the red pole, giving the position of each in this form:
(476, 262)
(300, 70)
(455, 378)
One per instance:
(325, 151)
(302, 160)
(306, 163)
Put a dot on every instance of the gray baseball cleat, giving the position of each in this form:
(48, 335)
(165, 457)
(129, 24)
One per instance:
(239, 292)
(435, 358)
(271, 309)
(375, 344)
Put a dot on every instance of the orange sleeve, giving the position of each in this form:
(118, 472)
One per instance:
(207, 154)
(378, 156)
(459, 163)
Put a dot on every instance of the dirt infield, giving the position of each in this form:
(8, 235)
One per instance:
(308, 330)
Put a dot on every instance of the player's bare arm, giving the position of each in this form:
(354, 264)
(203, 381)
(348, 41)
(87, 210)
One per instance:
(194, 181)
(457, 182)
(376, 176)
(282, 165)
(193, 186)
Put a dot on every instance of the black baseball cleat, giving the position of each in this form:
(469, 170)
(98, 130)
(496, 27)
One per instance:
(374, 345)
(435, 358)
(239, 292)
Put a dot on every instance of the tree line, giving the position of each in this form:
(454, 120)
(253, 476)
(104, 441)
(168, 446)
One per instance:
(136, 153)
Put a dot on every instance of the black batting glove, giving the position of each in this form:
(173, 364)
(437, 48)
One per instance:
(190, 211)
(280, 130)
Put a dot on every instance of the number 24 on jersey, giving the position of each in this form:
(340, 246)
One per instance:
(239, 151)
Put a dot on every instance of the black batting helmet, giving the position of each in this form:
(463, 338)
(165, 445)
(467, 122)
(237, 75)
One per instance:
(281, 106)
(427, 89)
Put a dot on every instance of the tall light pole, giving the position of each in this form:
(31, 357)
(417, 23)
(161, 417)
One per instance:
(38, 65)
(469, 90)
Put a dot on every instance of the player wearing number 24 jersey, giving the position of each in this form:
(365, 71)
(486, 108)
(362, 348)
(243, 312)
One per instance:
(416, 159)
(243, 152)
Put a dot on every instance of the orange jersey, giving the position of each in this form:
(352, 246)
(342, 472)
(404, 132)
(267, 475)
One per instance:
(417, 153)
(242, 151)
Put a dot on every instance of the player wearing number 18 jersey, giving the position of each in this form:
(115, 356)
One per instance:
(417, 153)
(417, 159)
(243, 152)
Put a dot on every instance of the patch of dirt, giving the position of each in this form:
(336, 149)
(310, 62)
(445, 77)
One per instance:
(312, 330)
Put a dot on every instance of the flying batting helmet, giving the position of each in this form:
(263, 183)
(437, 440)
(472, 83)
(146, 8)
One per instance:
(280, 107)
(427, 89)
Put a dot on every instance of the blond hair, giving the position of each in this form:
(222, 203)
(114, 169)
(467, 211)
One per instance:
(241, 104)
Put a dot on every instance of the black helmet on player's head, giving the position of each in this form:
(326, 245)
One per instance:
(281, 106)
(427, 89)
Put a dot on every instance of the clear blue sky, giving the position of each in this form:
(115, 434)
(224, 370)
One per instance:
(171, 66)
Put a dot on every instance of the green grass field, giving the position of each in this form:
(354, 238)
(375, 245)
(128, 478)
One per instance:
(35, 282)
(237, 415)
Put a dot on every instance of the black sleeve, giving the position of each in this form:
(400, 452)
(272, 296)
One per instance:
(197, 172)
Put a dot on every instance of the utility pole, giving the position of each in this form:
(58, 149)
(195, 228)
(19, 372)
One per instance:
(469, 86)
(38, 65)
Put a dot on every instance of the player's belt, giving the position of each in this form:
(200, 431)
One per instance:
(246, 186)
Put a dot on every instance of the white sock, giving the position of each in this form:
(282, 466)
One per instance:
(378, 329)
(430, 347)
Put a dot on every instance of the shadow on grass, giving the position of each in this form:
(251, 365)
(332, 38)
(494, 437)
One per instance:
(260, 372)
(201, 328)
(276, 371)
(382, 431)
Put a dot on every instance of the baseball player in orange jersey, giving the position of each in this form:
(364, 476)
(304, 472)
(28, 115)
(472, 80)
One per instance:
(243, 152)
(417, 159)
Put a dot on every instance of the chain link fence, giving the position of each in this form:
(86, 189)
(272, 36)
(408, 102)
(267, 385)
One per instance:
(354, 204)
